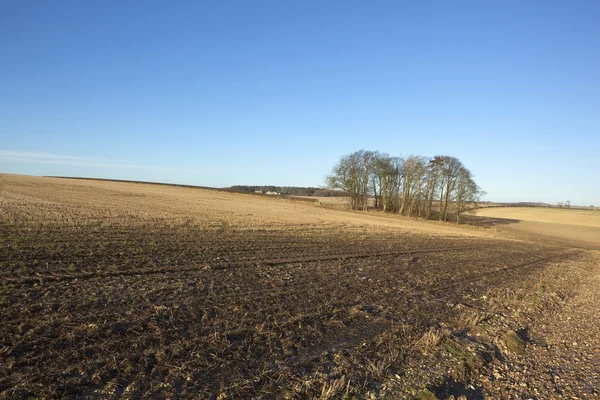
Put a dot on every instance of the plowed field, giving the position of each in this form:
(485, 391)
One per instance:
(131, 290)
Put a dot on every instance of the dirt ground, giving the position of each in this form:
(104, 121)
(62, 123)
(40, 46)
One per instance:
(122, 290)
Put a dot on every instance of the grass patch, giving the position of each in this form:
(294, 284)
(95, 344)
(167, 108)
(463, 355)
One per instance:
(514, 343)
(426, 395)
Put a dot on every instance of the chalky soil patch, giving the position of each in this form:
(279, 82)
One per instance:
(562, 357)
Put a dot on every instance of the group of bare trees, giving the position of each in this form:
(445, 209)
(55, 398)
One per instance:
(566, 204)
(436, 187)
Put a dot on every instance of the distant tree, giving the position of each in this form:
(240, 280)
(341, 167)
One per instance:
(375, 183)
(411, 174)
(329, 193)
(352, 174)
(467, 192)
(409, 186)
(431, 186)
(450, 170)
(568, 203)
(386, 173)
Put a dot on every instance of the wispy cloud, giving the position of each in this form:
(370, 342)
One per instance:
(48, 158)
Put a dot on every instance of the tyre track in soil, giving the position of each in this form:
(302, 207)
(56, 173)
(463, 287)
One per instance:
(213, 254)
(231, 252)
(413, 293)
(350, 345)
(36, 243)
(209, 236)
(200, 237)
(224, 250)
(239, 264)
(344, 307)
(215, 300)
(296, 289)
(299, 289)
(406, 292)
(129, 226)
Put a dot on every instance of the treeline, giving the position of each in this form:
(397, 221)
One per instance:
(289, 190)
(427, 187)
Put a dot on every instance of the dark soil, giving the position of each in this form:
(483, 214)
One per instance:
(181, 312)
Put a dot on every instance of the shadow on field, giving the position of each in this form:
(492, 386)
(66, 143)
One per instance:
(489, 222)
(452, 388)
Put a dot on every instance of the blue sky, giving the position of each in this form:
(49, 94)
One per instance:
(237, 92)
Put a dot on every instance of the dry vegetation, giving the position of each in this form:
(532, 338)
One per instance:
(339, 201)
(565, 227)
(561, 216)
(121, 290)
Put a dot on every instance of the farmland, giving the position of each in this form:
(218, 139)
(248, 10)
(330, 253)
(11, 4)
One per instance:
(563, 227)
(125, 290)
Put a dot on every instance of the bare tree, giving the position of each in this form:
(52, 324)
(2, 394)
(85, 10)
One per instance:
(394, 182)
(467, 192)
(376, 176)
(431, 187)
(386, 172)
(411, 174)
(450, 169)
(408, 185)
(352, 174)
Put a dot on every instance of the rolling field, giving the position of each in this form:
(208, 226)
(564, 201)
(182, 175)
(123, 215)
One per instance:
(566, 227)
(123, 290)
(333, 201)
(561, 216)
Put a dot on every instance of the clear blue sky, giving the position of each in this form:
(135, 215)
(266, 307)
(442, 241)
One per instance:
(252, 92)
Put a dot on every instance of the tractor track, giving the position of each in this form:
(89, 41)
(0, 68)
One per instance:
(340, 256)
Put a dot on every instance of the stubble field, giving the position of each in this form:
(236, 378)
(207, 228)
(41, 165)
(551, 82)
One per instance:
(563, 227)
(122, 290)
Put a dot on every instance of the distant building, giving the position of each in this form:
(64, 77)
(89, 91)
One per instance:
(258, 191)
(272, 193)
